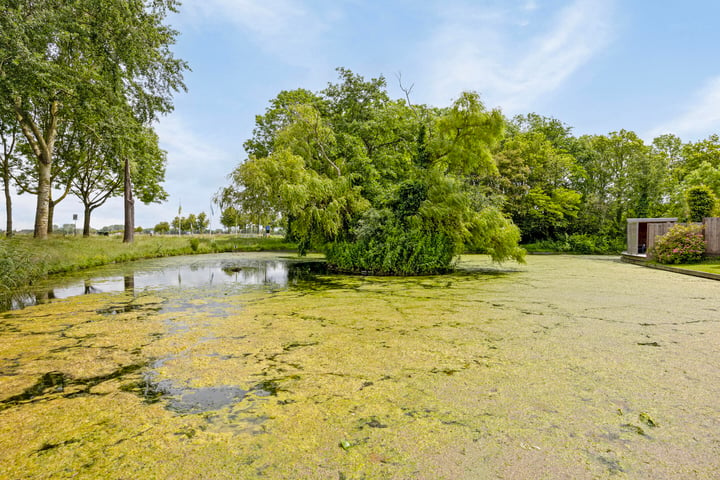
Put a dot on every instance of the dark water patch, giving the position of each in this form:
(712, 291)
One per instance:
(612, 464)
(57, 383)
(649, 344)
(51, 446)
(374, 423)
(267, 388)
(51, 382)
(189, 400)
(205, 399)
(295, 345)
(629, 427)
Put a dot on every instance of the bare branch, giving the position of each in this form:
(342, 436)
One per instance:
(407, 92)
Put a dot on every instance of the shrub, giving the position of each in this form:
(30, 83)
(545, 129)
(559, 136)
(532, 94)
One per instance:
(394, 252)
(194, 244)
(580, 243)
(19, 265)
(701, 202)
(682, 244)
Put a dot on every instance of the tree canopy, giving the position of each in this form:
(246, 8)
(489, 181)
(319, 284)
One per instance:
(380, 185)
(66, 64)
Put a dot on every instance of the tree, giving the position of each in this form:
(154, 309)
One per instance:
(202, 222)
(230, 218)
(63, 59)
(8, 138)
(378, 184)
(189, 222)
(162, 228)
(621, 178)
(177, 224)
(701, 203)
(144, 167)
(536, 179)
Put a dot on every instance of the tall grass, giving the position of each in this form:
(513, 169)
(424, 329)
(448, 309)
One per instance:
(24, 259)
(19, 265)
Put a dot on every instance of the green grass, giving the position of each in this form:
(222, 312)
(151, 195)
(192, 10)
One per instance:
(23, 259)
(710, 266)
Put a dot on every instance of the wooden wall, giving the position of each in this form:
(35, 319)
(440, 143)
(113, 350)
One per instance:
(712, 235)
(656, 230)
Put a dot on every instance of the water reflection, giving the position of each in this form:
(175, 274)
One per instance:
(196, 272)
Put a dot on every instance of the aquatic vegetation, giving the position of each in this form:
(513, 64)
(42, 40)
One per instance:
(534, 371)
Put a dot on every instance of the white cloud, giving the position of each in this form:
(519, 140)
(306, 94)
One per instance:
(197, 167)
(699, 118)
(476, 49)
(283, 28)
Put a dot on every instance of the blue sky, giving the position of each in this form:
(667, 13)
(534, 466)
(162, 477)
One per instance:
(597, 65)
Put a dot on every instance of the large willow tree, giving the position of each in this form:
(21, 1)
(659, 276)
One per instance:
(380, 185)
(80, 59)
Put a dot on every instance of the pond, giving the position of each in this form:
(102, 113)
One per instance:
(262, 366)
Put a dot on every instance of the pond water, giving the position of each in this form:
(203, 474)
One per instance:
(261, 366)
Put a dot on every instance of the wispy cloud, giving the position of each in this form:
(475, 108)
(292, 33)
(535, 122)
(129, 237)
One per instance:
(284, 28)
(197, 167)
(699, 118)
(517, 53)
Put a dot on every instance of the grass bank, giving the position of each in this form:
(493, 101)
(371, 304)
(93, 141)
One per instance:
(711, 266)
(24, 259)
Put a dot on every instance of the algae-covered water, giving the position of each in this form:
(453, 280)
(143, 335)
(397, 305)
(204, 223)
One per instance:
(256, 366)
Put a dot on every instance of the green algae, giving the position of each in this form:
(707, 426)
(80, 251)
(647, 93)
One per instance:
(534, 371)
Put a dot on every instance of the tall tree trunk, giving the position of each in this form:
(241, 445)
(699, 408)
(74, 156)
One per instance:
(43, 145)
(86, 221)
(50, 215)
(129, 235)
(8, 203)
(42, 210)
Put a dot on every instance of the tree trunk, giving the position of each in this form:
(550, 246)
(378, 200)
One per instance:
(42, 209)
(8, 204)
(43, 145)
(50, 215)
(129, 235)
(86, 221)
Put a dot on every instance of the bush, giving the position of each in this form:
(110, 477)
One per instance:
(194, 244)
(580, 243)
(396, 252)
(701, 203)
(19, 265)
(682, 244)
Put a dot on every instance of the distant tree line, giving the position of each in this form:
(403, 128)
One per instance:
(81, 84)
(191, 224)
(390, 186)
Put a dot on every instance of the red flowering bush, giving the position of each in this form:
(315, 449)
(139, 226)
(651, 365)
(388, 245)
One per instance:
(682, 244)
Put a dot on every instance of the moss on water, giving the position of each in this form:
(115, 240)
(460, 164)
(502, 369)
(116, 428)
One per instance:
(534, 371)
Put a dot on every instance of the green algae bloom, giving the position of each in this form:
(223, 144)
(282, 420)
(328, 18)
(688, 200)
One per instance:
(565, 367)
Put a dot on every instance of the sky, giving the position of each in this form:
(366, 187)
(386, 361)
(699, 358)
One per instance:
(597, 65)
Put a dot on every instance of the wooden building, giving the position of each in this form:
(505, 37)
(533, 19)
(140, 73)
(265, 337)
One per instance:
(641, 233)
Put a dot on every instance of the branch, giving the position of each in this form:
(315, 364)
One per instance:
(407, 92)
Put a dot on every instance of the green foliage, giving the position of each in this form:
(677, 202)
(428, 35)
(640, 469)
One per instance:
(701, 202)
(335, 165)
(194, 244)
(682, 244)
(394, 250)
(19, 265)
(583, 244)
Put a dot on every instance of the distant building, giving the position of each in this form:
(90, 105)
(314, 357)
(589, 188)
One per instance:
(642, 233)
